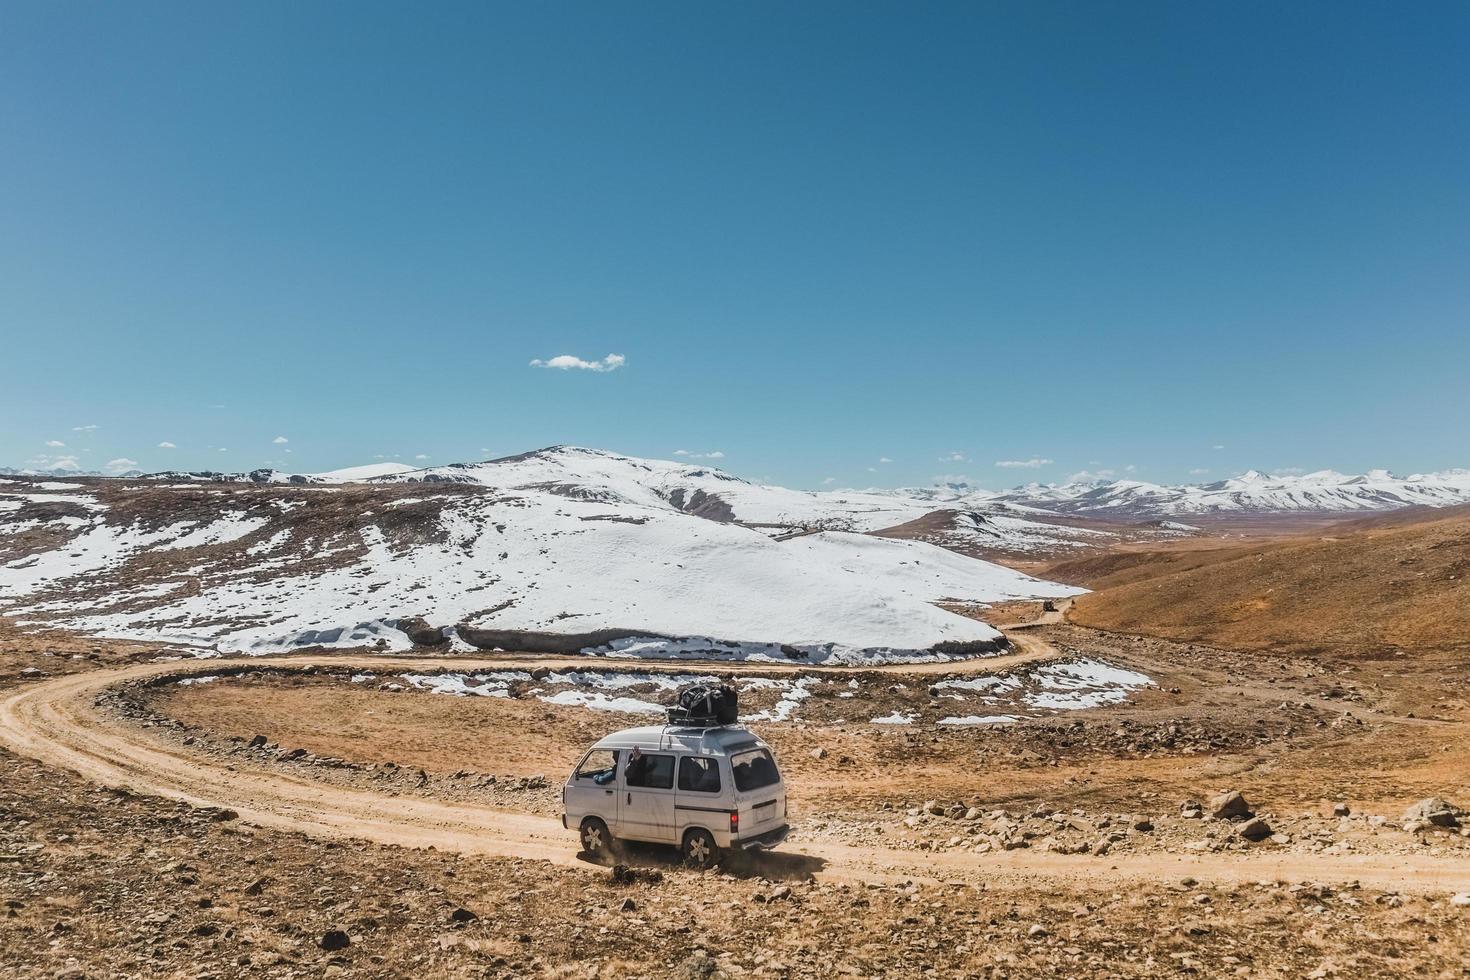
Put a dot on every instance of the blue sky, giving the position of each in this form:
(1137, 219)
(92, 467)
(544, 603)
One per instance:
(818, 235)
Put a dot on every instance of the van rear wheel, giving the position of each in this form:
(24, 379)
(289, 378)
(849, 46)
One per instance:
(596, 838)
(700, 850)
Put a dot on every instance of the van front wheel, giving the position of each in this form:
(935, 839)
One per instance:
(700, 850)
(596, 839)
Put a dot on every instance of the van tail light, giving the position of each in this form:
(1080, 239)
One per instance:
(734, 821)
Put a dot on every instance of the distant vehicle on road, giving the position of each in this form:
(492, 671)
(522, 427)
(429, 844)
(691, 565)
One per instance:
(705, 790)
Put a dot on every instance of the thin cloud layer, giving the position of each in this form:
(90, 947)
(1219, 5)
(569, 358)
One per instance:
(1034, 463)
(569, 362)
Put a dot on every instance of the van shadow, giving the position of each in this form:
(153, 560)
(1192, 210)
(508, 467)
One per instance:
(775, 865)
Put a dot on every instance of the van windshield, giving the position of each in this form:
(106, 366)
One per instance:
(754, 769)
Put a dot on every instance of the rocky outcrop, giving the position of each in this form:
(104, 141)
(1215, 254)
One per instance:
(420, 633)
(526, 641)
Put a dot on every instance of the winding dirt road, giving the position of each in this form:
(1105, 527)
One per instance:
(57, 723)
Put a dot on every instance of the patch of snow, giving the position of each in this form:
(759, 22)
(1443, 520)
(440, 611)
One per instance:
(978, 720)
(598, 701)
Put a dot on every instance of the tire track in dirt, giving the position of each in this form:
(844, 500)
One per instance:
(57, 723)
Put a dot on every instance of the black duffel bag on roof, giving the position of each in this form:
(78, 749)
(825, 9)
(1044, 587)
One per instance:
(706, 704)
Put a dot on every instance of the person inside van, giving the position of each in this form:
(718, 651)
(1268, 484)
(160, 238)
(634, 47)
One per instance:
(636, 770)
(604, 777)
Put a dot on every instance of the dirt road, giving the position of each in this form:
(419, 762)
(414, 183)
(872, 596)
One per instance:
(56, 722)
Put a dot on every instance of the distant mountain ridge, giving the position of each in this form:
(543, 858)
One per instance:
(714, 493)
(1324, 491)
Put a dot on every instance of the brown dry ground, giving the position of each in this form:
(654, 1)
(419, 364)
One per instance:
(1291, 732)
(1366, 589)
(100, 883)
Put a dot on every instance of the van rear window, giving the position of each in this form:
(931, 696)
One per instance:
(754, 769)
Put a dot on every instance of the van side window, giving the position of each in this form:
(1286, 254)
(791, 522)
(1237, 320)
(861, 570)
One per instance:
(699, 774)
(600, 766)
(650, 771)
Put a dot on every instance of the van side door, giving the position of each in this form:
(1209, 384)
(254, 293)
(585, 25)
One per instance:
(700, 801)
(648, 798)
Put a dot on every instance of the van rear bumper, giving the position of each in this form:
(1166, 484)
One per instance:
(762, 841)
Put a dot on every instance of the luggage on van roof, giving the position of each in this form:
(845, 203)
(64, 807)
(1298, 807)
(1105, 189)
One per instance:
(706, 704)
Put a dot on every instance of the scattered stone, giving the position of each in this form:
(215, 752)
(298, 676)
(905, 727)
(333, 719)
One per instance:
(462, 915)
(624, 875)
(256, 742)
(1462, 900)
(1229, 806)
(819, 753)
(1435, 811)
(627, 905)
(334, 939)
(1036, 931)
(1254, 829)
(1341, 810)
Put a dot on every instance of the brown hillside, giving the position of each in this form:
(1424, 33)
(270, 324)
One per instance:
(1370, 591)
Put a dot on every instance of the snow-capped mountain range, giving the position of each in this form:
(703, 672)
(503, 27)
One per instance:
(728, 497)
(1251, 493)
(625, 556)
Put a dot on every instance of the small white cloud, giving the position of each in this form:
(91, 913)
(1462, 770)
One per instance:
(952, 480)
(954, 456)
(290, 450)
(120, 465)
(280, 440)
(55, 444)
(1199, 471)
(872, 469)
(1217, 447)
(422, 456)
(85, 428)
(568, 362)
(829, 481)
(717, 454)
(1091, 476)
(167, 445)
(223, 449)
(1129, 468)
(1034, 463)
(884, 459)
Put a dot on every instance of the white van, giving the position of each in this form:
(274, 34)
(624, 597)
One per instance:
(701, 789)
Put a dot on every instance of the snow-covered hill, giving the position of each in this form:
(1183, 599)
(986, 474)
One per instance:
(555, 548)
(592, 474)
